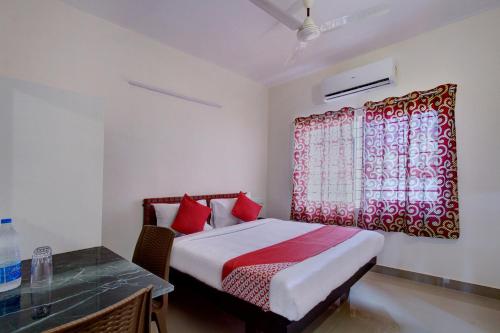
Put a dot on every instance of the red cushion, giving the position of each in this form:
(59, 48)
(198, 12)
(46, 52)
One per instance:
(191, 216)
(246, 209)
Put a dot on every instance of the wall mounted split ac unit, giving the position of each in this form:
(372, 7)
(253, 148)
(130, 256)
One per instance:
(363, 78)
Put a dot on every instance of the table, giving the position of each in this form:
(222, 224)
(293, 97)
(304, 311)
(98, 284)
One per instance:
(84, 282)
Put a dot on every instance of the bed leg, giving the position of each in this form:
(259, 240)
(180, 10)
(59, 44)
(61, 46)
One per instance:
(345, 296)
(339, 301)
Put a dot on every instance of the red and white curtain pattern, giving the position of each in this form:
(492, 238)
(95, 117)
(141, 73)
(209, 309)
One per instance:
(410, 165)
(323, 175)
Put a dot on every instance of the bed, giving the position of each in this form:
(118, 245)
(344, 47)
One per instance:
(297, 294)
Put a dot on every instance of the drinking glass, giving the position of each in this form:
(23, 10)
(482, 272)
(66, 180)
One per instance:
(41, 267)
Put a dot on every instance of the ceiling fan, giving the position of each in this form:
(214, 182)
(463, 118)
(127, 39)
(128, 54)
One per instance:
(308, 30)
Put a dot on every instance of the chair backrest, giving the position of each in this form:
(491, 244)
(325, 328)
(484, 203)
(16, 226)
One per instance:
(130, 315)
(153, 248)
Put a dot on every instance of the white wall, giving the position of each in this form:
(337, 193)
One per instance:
(466, 53)
(154, 145)
(51, 165)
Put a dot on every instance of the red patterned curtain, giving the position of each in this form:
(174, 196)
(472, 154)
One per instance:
(410, 165)
(323, 175)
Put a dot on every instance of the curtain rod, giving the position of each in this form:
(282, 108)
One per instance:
(173, 94)
(402, 99)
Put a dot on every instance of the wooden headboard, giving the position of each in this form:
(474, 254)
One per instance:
(149, 217)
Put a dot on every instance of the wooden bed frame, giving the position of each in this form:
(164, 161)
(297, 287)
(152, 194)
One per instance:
(256, 320)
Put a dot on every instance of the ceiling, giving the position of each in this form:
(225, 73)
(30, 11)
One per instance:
(237, 35)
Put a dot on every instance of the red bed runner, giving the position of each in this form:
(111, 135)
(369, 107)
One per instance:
(249, 276)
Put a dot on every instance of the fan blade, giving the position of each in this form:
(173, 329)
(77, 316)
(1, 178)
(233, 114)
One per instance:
(296, 7)
(338, 22)
(290, 21)
(299, 48)
(293, 9)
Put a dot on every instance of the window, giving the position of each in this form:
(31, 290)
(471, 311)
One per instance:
(391, 166)
(403, 169)
(324, 168)
(330, 177)
(358, 157)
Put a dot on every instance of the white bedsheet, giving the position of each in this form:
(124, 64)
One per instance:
(295, 290)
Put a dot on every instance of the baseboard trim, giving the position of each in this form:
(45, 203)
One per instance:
(439, 281)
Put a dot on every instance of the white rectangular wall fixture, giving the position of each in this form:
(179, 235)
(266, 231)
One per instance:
(359, 79)
(174, 94)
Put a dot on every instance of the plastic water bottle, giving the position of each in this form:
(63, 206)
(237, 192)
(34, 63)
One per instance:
(10, 258)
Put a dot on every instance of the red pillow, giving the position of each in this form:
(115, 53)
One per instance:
(191, 216)
(246, 209)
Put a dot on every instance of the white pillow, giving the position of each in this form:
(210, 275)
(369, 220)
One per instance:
(207, 227)
(221, 213)
(165, 214)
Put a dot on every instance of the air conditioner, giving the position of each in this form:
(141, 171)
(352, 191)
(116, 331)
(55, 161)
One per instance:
(363, 78)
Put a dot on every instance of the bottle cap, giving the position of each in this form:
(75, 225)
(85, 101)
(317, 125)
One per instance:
(6, 221)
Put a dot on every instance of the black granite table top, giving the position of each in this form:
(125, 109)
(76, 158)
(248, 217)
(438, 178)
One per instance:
(84, 282)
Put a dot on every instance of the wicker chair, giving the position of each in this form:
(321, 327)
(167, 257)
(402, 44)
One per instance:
(130, 315)
(152, 252)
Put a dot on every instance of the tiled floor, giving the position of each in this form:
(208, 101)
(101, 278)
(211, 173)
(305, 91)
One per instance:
(378, 303)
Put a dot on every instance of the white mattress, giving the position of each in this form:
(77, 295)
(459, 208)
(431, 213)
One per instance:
(294, 291)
